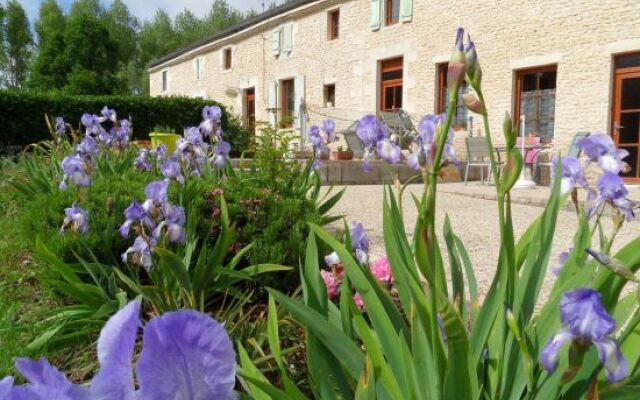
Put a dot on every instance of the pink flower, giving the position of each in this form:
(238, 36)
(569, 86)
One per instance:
(382, 270)
(358, 300)
(331, 282)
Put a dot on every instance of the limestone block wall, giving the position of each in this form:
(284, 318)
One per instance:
(580, 37)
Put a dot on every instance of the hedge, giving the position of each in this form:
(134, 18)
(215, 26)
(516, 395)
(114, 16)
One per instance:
(23, 113)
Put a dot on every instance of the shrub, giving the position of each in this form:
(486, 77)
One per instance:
(23, 120)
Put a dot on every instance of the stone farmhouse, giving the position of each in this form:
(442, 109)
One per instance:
(567, 66)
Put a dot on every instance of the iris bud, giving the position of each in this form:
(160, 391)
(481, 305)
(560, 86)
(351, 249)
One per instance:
(508, 130)
(474, 104)
(456, 69)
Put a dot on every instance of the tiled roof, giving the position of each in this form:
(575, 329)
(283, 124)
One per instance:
(234, 29)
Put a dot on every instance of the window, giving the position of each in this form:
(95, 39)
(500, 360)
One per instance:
(330, 95)
(199, 68)
(164, 81)
(391, 84)
(226, 58)
(535, 98)
(391, 12)
(461, 116)
(333, 26)
(287, 103)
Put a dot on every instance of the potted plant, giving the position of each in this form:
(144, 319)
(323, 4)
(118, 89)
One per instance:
(342, 154)
(164, 135)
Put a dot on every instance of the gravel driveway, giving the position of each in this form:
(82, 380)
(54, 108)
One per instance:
(474, 220)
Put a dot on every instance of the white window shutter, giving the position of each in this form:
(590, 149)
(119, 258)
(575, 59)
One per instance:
(287, 38)
(406, 10)
(299, 93)
(273, 102)
(375, 14)
(276, 40)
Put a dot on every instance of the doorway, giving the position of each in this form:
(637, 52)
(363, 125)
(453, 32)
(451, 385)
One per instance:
(250, 109)
(626, 111)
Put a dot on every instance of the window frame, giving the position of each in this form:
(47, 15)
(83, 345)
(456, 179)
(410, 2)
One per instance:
(333, 24)
(388, 12)
(227, 59)
(284, 101)
(519, 75)
(326, 94)
(391, 65)
(441, 95)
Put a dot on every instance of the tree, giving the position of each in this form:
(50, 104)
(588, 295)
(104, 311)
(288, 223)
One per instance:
(222, 16)
(90, 50)
(123, 29)
(3, 54)
(189, 28)
(50, 67)
(19, 43)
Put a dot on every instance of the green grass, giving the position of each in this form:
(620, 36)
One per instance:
(25, 303)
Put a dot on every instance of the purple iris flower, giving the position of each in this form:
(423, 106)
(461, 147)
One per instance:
(61, 126)
(161, 150)
(108, 114)
(572, 175)
(602, 149)
(171, 169)
(185, 355)
(612, 190)
(210, 125)
(76, 219)
(221, 154)
(370, 130)
(87, 147)
(141, 162)
(92, 124)
(140, 253)
(156, 193)
(135, 214)
(74, 170)
(329, 128)
(426, 141)
(174, 221)
(389, 151)
(586, 323)
(359, 241)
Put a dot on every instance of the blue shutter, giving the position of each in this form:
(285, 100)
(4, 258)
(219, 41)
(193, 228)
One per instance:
(375, 14)
(406, 10)
(287, 38)
(276, 41)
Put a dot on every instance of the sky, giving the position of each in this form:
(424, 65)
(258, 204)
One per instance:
(145, 9)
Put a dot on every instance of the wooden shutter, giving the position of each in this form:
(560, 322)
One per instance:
(406, 10)
(375, 14)
(299, 92)
(273, 102)
(287, 38)
(277, 34)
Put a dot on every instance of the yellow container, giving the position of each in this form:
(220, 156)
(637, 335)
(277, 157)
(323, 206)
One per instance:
(168, 139)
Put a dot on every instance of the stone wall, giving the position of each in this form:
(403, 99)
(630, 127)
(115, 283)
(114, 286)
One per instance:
(581, 38)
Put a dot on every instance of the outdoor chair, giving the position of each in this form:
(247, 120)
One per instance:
(353, 141)
(477, 157)
(400, 124)
(544, 157)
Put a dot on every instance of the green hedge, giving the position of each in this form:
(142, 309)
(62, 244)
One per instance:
(23, 123)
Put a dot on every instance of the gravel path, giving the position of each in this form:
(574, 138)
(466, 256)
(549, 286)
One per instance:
(474, 220)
